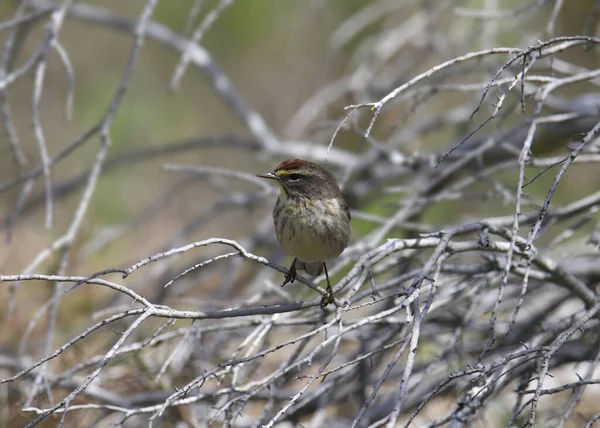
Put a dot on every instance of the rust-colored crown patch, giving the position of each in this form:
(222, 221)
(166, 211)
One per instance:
(290, 165)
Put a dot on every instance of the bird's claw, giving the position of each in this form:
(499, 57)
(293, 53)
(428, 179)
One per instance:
(327, 298)
(291, 275)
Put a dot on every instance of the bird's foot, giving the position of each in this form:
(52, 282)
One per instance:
(291, 275)
(328, 297)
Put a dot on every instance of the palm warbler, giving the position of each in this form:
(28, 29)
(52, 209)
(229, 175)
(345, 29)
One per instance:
(312, 219)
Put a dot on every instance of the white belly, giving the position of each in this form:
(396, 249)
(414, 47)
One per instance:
(307, 247)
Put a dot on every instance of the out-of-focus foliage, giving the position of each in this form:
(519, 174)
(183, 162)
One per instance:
(465, 138)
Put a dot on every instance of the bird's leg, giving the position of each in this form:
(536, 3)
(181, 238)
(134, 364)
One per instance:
(291, 275)
(328, 297)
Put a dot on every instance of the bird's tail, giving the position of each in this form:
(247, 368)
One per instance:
(311, 268)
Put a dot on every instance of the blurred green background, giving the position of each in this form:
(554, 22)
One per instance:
(270, 51)
(276, 54)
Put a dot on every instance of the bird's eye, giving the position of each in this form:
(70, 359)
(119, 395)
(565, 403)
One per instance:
(295, 177)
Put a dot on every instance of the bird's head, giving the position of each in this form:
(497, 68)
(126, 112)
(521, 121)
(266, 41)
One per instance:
(300, 178)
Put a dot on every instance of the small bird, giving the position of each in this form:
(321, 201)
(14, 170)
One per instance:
(311, 217)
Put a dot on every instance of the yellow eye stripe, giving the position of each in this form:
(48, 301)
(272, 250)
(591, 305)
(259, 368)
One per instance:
(287, 172)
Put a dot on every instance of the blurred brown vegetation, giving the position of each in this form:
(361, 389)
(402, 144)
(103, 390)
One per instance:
(278, 55)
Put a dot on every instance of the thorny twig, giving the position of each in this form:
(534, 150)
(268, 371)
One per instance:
(464, 286)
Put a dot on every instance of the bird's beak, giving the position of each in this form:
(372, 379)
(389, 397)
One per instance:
(268, 175)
